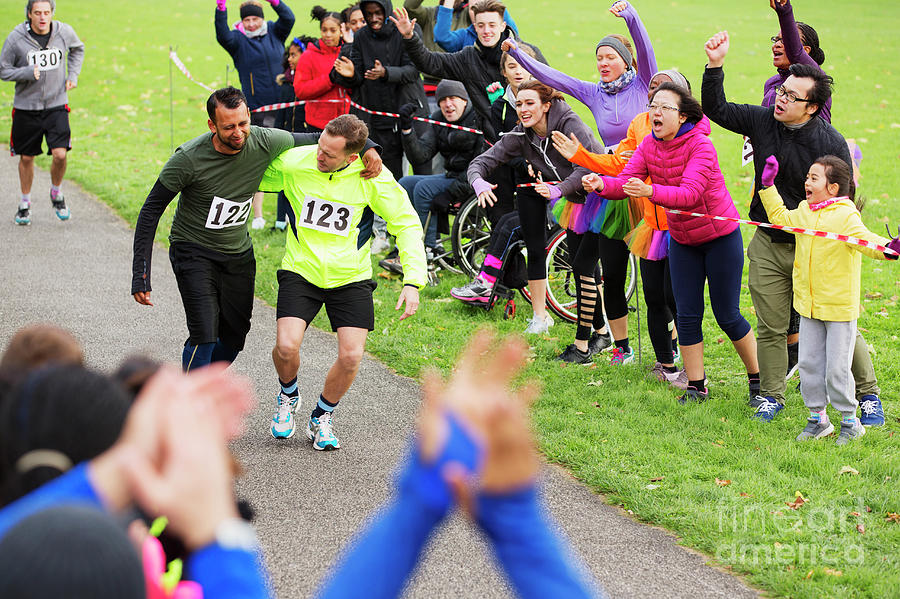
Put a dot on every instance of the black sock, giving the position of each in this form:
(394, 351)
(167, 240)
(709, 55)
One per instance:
(672, 368)
(323, 406)
(753, 380)
(698, 385)
(623, 345)
(290, 389)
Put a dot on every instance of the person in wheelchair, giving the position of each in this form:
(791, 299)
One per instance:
(458, 148)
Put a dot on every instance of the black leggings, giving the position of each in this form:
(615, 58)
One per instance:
(660, 300)
(584, 251)
(614, 259)
(533, 218)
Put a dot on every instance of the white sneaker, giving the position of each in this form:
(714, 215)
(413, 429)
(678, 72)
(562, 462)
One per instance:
(283, 421)
(258, 223)
(538, 326)
(321, 432)
(380, 245)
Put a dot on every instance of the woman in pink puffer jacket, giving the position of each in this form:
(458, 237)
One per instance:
(681, 161)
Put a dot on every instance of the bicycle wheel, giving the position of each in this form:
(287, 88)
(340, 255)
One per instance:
(470, 237)
(631, 277)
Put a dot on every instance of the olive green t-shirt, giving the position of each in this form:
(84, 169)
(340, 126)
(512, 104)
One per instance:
(217, 189)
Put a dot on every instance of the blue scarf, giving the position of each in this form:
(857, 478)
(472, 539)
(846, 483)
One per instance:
(614, 87)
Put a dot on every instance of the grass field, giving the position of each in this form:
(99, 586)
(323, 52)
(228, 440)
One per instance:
(708, 473)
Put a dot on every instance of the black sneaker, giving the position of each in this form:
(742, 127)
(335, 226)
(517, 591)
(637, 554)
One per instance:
(599, 342)
(694, 394)
(391, 265)
(574, 355)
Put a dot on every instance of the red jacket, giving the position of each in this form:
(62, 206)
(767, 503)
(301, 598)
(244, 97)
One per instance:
(311, 82)
(686, 176)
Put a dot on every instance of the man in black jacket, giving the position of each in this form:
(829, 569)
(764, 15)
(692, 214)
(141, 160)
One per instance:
(477, 66)
(792, 132)
(381, 72)
(457, 147)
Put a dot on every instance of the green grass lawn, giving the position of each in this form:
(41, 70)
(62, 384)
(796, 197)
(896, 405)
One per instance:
(620, 433)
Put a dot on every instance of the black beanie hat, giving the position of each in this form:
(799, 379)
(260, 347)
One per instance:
(252, 10)
(448, 87)
(70, 551)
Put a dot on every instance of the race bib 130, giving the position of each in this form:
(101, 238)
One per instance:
(46, 60)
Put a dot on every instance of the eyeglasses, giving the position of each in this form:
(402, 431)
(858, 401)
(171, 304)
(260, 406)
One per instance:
(654, 107)
(791, 96)
(776, 39)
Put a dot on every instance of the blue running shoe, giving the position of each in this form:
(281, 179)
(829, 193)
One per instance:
(767, 411)
(23, 214)
(283, 420)
(321, 433)
(59, 204)
(872, 414)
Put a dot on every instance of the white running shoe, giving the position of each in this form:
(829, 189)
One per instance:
(283, 421)
(538, 326)
(320, 432)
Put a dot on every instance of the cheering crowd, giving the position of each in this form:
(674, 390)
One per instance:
(645, 182)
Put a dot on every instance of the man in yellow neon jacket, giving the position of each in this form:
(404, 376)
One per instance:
(327, 261)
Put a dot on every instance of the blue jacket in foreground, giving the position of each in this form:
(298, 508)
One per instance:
(223, 573)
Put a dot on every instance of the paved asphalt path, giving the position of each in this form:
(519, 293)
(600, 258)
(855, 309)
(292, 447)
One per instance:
(309, 504)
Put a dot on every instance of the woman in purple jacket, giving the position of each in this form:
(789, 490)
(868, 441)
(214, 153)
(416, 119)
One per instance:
(619, 96)
(681, 161)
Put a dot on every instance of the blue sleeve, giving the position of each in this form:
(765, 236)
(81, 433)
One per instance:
(285, 22)
(509, 21)
(228, 39)
(227, 573)
(534, 558)
(384, 556)
(450, 41)
(72, 487)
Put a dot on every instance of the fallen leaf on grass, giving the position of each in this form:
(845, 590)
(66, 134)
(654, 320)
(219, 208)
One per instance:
(857, 514)
(797, 502)
(656, 479)
(861, 529)
(596, 405)
(443, 300)
(720, 340)
(384, 275)
(831, 572)
(849, 470)
(652, 487)
(868, 510)
(723, 483)
(722, 419)
(745, 495)
(874, 295)
(893, 517)
(596, 383)
(579, 413)
(809, 575)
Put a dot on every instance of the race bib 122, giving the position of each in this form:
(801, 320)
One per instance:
(225, 213)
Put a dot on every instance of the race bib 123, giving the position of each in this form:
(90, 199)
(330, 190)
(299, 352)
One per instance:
(326, 216)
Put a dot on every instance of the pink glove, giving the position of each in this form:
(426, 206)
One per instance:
(555, 193)
(893, 244)
(769, 172)
(220, 5)
(274, 2)
(480, 186)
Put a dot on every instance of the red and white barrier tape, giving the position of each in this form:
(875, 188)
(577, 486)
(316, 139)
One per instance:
(798, 230)
(174, 57)
(279, 106)
(536, 183)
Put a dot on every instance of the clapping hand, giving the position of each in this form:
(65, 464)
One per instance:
(592, 182)
(343, 66)
(636, 188)
(400, 19)
(376, 72)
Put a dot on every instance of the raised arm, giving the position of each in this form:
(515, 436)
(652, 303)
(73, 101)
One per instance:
(285, 21)
(583, 91)
(790, 36)
(646, 58)
(227, 38)
(444, 36)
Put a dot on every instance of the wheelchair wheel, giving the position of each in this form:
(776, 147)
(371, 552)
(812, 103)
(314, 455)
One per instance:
(470, 237)
(561, 295)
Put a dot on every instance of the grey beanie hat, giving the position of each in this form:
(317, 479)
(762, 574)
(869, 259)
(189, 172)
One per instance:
(618, 46)
(448, 87)
(69, 551)
(676, 77)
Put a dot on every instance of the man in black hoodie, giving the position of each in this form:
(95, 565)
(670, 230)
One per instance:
(477, 66)
(381, 72)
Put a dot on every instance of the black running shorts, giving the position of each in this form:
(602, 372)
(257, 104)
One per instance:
(347, 306)
(217, 292)
(30, 127)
